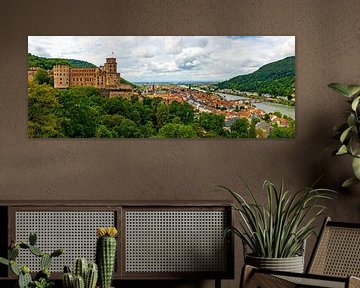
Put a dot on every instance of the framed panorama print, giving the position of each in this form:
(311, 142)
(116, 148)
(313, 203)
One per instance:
(161, 87)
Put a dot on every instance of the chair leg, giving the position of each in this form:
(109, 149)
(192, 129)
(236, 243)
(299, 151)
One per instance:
(246, 274)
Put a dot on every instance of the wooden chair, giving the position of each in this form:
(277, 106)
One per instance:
(334, 263)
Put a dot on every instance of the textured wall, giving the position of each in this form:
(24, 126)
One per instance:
(327, 50)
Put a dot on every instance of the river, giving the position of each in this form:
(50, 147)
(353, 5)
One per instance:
(268, 107)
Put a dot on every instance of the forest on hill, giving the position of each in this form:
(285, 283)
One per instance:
(48, 63)
(275, 78)
(81, 112)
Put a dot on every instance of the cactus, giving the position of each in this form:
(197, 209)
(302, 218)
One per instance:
(24, 278)
(44, 273)
(79, 282)
(88, 273)
(13, 253)
(45, 261)
(105, 254)
(32, 238)
(91, 276)
(36, 251)
(23, 273)
(4, 261)
(80, 268)
(14, 268)
(68, 280)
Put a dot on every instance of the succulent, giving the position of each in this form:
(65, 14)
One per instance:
(80, 268)
(85, 275)
(106, 254)
(79, 282)
(91, 276)
(23, 273)
(24, 278)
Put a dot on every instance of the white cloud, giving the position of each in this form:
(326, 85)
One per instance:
(170, 58)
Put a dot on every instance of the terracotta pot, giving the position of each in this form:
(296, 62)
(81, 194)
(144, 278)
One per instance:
(291, 264)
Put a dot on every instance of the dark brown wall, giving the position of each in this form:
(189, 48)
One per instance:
(327, 50)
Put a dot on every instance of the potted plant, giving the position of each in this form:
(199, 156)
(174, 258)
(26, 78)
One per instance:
(349, 132)
(276, 233)
(42, 278)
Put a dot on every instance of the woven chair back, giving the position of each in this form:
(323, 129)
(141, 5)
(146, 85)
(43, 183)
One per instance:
(337, 252)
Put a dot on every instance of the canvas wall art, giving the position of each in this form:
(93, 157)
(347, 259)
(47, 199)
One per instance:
(161, 87)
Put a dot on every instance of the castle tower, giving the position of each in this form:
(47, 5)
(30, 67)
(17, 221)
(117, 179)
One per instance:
(112, 77)
(61, 76)
(110, 65)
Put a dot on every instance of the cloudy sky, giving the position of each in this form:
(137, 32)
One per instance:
(170, 58)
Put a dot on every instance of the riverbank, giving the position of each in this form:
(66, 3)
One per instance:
(268, 107)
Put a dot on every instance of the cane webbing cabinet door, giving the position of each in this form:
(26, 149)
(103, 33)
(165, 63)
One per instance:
(171, 240)
(176, 242)
(70, 228)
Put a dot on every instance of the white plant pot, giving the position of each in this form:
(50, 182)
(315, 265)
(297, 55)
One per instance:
(291, 264)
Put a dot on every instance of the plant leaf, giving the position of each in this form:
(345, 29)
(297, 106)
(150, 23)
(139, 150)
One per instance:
(353, 89)
(349, 182)
(351, 119)
(345, 134)
(4, 261)
(356, 167)
(340, 88)
(355, 103)
(342, 150)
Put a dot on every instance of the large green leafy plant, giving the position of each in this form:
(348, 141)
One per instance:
(349, 131)
(278, 229)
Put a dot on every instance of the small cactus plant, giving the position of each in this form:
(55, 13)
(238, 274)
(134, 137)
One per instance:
(42, 278)
(85, 275)
(106, 254)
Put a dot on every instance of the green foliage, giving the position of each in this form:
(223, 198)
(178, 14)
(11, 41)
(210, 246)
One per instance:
(43, 283)
(283, 132)
(185, 112)
(276, 78)
(42, 77)
(44, 120)
(173, 130)
(239, 129)
(212, 123)
(349, 132)
(48, 63)
(279, 229)
(82, 112)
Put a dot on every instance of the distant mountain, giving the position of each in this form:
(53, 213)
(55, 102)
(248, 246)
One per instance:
(275, 78)
(48, 63)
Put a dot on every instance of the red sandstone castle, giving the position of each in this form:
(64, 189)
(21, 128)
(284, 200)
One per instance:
(103, 77)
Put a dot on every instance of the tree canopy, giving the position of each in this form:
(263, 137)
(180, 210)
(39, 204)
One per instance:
(81, 112)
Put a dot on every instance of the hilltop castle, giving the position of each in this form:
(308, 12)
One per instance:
(103, 77)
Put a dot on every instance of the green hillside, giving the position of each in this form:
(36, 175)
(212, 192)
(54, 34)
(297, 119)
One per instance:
(48, 63)
(276, 78)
